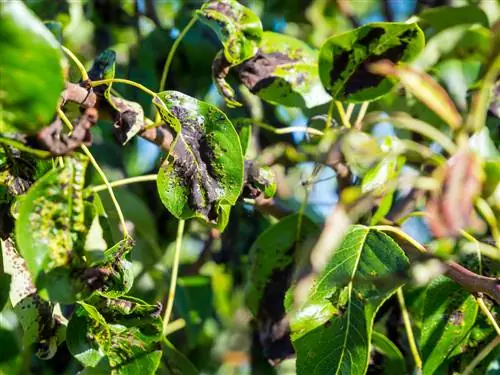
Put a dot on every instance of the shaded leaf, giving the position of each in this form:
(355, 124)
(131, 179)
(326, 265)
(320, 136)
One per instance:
(394, 362)
(449, 312)
(332, 331)
(344, 59)
(258, 180)
(273, 256)
(176, 362)
(43, 324)
(103, 67)
(124, 333)
(51, 217)
(238, 28)
(31, 70)
(440, 18)
(203, 172)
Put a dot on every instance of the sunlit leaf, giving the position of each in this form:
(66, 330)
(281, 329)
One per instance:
(344, 59)
(31, 70)
(203, 173)
(238, 28)
(332, 331)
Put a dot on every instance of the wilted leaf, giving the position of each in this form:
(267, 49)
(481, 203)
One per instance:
(31, 70)
(42, 323)
(451, 208)
(283, 71)
(258, 180)
(203, 173)
(449, 313)
(344, 59)
(124, 333)
(424, 88)
(331, 332)
(238, 28)
(273, 258)
(51, 217)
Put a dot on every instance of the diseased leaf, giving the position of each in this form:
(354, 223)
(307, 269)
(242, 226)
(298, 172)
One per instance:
(344, 59)
(42, 322)
(202, 175)
(31, 70)
(258, 180)
(104, 68)
(331, 332)
(238, 28)
(394, 362)
(273, 259)
(51, 217)
(124, 333)
(449, 312)
(283, 71)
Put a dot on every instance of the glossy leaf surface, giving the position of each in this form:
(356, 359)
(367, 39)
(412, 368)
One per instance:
(203, 173)
(344, 59)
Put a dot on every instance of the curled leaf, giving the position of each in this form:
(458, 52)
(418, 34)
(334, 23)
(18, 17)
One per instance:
(259, 180)
(238, 28)
(283, 71)
(424, 88)
(344, 59)
(203, 173)
(451, 208)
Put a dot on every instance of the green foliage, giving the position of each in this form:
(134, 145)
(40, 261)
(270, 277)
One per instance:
(344, 59)
(303, 200)
(203, 174)
(28, 102)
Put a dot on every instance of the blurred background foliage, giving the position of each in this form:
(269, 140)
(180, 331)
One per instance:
(217, 336)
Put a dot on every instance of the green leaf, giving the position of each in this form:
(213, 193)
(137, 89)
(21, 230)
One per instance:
(440, 18)
(449, 313)
(193, 303)
(125, 333)
(284, 71)
(344, 59)
(331, 332)
(51, 217)
(31, 70)
(244, 128)
(203, 172)
(176, 362)
(394, 362)
(104, 67)
(273, 252)
(238, 28)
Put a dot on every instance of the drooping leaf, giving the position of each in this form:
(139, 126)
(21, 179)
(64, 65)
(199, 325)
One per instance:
(31, 70)
(273, 257)
(394, 362)
(123, 333)
(449, 313)
(42, 322)
(104, 68)
(344, 59)
(451, 208)
(283, 71)
(331, 332)
(238, 28)
(202, 175)
(51, 217)
(424, 88)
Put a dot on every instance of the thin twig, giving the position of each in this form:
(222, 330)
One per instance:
(409, 331)
(482, 355)
(173, 278)
(125, 181)
(489, 315)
